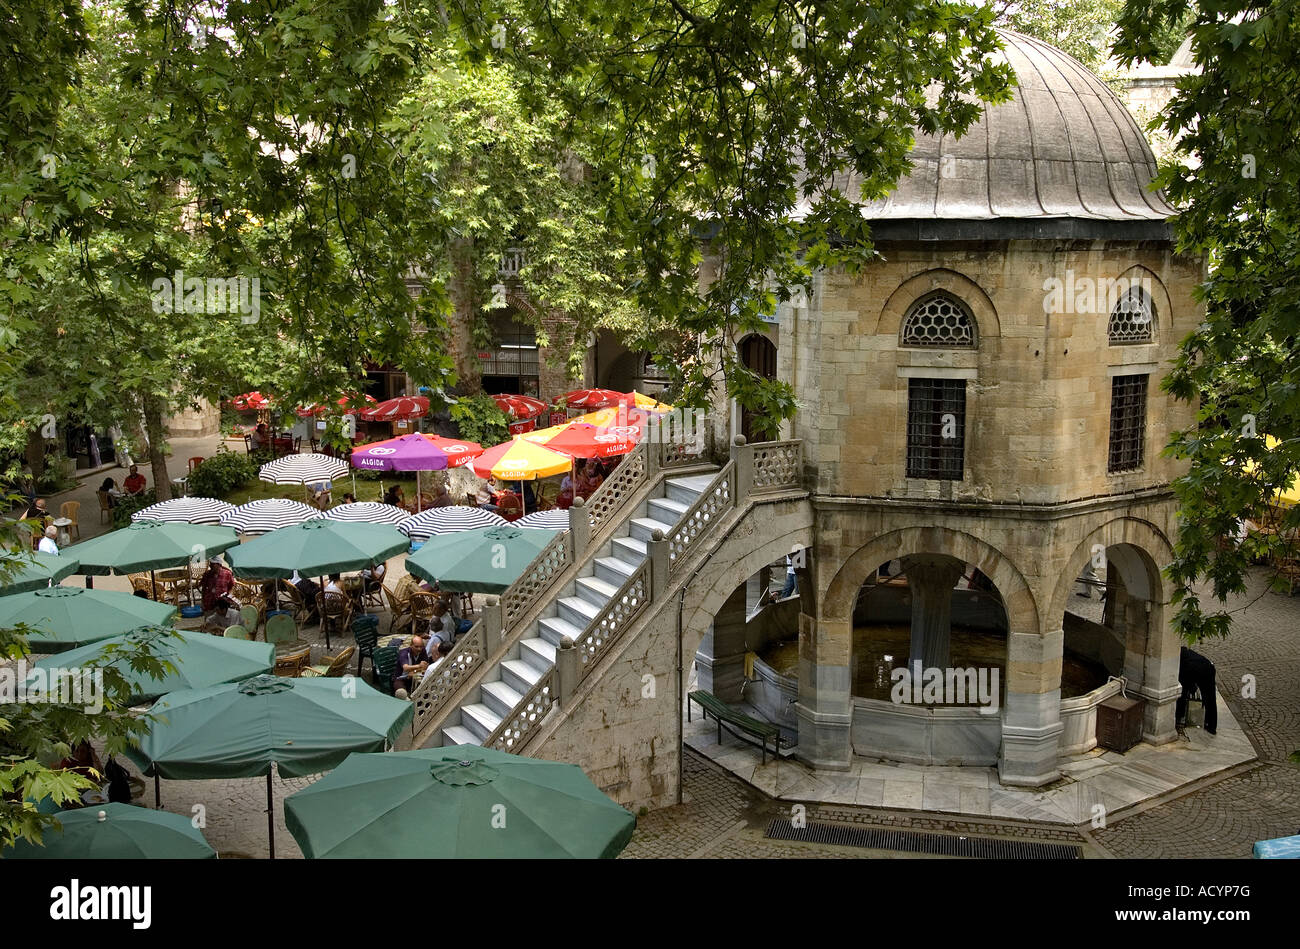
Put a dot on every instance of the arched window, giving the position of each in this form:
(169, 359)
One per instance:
(1132, 318)
(939, 321)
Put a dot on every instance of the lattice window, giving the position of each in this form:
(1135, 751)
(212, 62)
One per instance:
(936, 428)
(939, 320)
(1131, 319)
(1128, 422)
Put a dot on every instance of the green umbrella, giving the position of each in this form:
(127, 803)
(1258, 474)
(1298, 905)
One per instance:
(117, 832)
(63, 617)
(35, 571)
(200, 660)
(317, 548)
(458, 801)
(480, 560)
(151, 545)
(303, 726)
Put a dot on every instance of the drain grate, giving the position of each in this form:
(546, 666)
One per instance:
(945, 845)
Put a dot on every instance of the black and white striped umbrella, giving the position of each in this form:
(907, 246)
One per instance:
(448, 520)
(268, 514)
(185, 511)
(368, 512)
(556, 519)
(303, 469)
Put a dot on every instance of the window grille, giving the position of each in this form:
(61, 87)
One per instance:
(1131, 319)
(939, 320)
(1128, 421)
(936, 428)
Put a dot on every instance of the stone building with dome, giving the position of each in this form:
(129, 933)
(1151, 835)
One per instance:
(981, 409)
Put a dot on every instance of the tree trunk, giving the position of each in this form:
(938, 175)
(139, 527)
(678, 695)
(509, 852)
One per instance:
(36, 454)
(156, 434)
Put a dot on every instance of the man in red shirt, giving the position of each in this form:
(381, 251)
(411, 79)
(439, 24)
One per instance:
(134, 482)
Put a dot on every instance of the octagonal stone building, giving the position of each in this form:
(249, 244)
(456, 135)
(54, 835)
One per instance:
(981, 409)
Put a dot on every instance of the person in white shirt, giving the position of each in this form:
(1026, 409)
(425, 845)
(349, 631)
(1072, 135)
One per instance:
(47, 545)
(373, 577)
(332, 585)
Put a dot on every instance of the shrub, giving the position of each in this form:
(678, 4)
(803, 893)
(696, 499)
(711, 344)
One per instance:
(128, 505)
(479, 419)
(222, 474)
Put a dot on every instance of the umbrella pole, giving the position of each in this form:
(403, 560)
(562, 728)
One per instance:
(270, 814)
(417, 491)
(157, 792)
(523, 507)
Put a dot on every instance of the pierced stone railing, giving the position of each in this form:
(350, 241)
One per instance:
(518, 727)
(617, 615)
(623, 482)
(536, 579)
(777, 465)
(713, 504)
(682, 438)
(436, 688)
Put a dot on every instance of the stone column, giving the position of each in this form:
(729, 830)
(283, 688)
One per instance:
(1151, 655)
(720, 661)
(1031, 718)
(930, 581)
(825, 706)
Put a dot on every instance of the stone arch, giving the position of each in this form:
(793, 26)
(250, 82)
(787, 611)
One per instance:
(695, 622)
(842, 592)
(1162, 325)
(970, 293)
(1140, 551)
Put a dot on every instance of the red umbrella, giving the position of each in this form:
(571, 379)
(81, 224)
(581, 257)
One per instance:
(458, 452)
(589, 441)
(403, 407)
(251, 400)
(520, 406)
(589, 399)
(316, 409)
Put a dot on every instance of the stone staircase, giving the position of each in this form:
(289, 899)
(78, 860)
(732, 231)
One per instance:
(505, 686)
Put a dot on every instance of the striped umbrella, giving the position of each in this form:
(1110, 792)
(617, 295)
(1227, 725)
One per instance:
(185, 511)
(368, 512)
(403, 407)
(303, 469)
(555, 519)
(519, 406)
(448, 520)
(268, 514)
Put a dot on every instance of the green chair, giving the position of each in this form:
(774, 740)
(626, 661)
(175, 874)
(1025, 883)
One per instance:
(250, 616)
(365, 629)
(236, 632)
(384, 660)
(281, 629)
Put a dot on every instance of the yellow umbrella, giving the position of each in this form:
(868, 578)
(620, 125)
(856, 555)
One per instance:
(645, 402)
(1291, 495)
(520, 460)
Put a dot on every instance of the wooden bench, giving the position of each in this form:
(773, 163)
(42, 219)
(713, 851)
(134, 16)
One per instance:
(710, 704)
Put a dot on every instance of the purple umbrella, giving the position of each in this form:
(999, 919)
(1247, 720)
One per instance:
(404, 453)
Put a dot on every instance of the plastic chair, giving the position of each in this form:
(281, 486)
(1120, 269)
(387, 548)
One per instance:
(251, 617)
(365, 630)
(70, 509)
(105, 507)
(236, 632)
(384, 662)
(280, 628)
(194, 463)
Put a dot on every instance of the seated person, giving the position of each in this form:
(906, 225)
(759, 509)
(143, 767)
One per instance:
(109, 487)
(134, 483)
(564, 499)
(40, 513)
(332, 585)
(320, 494)
(307, 589)
(412, 663)
(395, 496)
(435, 651)
(47, 545)
(443, 625)
(259, 437)
(349, 498)
(372, 578)
(441, 497)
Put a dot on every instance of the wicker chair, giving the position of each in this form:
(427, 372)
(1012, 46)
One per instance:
(422, 605)
(398, 607)
(335, 611)
(292, 664)
(141, 582)
(335, 668)
(297, 605)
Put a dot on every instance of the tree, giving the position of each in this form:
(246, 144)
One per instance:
(1233, 178)
(728, 128)
(1079, 27)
